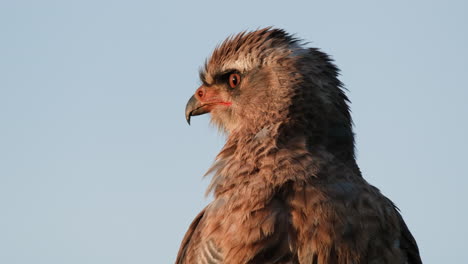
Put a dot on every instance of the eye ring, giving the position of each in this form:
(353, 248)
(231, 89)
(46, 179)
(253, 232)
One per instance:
(234, 80)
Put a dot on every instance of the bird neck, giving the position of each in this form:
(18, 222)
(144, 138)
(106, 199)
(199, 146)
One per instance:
(271, 157)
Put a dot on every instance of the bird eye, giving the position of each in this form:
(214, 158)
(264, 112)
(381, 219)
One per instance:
(234, 80)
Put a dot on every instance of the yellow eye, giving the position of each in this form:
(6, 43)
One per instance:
(234, 80)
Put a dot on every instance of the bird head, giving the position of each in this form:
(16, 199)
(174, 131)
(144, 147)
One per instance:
(267, 78)
(240, 82)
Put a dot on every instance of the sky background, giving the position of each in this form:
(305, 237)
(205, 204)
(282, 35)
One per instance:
(97, 163)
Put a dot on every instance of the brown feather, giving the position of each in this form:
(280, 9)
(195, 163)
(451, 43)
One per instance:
(286, 185)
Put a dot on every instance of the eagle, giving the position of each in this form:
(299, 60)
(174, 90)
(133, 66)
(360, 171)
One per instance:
(286, 185)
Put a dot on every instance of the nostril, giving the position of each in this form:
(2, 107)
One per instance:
(200, 93)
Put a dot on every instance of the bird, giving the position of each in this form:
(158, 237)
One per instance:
(286, 186)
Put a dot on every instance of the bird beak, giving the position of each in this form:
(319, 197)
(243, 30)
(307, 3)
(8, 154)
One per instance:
(194, 107)
(203, 101)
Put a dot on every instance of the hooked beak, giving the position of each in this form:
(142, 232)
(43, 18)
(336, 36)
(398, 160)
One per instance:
(194, 107)
(203, 101)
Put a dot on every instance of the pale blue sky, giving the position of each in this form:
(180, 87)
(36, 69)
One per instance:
(97, 164)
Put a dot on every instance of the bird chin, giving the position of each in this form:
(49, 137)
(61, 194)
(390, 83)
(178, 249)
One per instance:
(223, 119)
